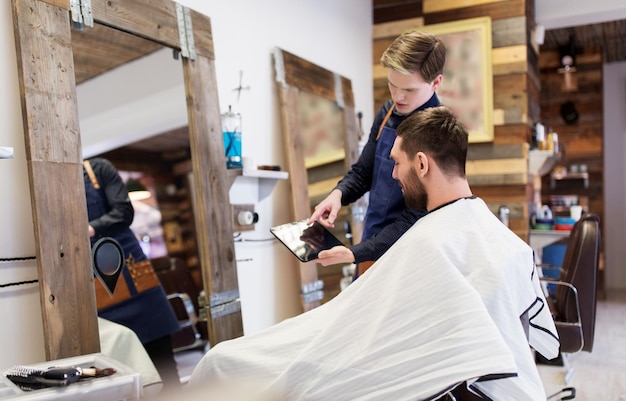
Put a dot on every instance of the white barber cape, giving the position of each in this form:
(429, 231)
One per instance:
(441, 307)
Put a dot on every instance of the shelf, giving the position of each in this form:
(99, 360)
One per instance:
(541, 162)
(537, 239)
(571, 176)
(266, 179)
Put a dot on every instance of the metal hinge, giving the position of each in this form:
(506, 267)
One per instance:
(312, 286)
(221, 304)
(339, 91)
(313, 291)
(279, 67)
(81, 13)
(312, 296)
(185, 32)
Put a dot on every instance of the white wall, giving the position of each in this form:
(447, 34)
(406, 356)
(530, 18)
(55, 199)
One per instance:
(148, 98)
(554, 14)
(614, 105)
(20, 313)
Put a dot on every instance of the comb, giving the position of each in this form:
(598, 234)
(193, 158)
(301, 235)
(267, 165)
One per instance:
(29, 378)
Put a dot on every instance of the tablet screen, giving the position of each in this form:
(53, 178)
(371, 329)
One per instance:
(304, 240)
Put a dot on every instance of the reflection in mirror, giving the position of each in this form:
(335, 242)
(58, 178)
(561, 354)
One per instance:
(321, 121)
(323, 142)
(124, 119)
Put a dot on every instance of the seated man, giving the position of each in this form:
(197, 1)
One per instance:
(441, 309)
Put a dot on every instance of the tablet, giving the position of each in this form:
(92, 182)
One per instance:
(304, 240)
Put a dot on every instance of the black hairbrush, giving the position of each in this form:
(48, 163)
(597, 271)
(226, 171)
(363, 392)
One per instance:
(29, 378)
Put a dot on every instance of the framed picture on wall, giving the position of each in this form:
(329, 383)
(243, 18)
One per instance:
(467, 86)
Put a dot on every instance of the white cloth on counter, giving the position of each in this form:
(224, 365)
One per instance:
(122, 344)
(441, 307)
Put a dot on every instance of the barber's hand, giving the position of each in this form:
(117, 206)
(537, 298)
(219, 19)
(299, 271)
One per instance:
(92, 232)
(326, 211)
(335, 255)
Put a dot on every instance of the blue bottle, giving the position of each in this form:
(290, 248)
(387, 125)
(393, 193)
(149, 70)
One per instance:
(231, 128)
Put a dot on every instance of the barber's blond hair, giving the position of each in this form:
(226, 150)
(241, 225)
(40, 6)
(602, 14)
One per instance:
(416, 51)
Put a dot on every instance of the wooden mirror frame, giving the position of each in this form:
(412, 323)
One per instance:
(54, 159)
(293, 75)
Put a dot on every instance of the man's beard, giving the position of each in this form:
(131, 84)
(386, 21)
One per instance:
(415, 195)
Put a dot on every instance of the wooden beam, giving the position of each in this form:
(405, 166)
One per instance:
(431, 6)
(58, 3)
(300, 201)
(509, 31)
(391, 11)
(395, 28)
(513, 133)
(496, 167)
(304, 75)
(214, 227)
(495, 10)
(54, 158)
(154, 19)
(509, 60)
(491, 151)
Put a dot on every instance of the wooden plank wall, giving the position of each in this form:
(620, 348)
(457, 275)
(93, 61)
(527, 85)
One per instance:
(497, 171)
(581, 143)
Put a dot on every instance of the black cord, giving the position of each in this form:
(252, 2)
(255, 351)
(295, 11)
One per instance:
(17, 259)
(18, 282)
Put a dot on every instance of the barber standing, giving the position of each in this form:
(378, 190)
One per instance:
(148, 313)
(414, 63)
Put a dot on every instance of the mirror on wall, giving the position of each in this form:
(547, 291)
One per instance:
(321, 143)
(110, 77)
(51, 129)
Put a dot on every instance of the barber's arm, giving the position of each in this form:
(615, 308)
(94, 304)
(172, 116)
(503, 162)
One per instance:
(121, 212)
(350, 188)
(358, 180)
(373, 248)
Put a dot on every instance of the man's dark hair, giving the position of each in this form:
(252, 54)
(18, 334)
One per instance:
(437, 132)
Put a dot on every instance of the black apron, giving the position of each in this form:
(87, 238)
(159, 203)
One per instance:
(149, 314)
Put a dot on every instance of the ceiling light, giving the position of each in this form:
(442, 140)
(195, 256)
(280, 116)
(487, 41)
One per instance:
(136, 191)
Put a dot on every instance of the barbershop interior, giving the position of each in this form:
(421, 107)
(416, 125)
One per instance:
(224, 122)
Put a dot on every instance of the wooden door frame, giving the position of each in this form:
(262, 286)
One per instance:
(54, 161)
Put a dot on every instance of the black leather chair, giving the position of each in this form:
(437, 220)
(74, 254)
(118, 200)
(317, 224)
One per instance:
(183, 297)
(573, 304)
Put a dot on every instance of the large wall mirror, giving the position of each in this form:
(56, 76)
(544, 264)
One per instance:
(321, 143)
(46, 51)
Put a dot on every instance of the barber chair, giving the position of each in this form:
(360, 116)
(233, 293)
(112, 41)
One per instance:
(573, 303)
(183, 297)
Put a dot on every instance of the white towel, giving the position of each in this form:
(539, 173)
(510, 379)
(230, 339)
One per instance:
(441, 307)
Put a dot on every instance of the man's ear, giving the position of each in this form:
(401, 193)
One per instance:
(421, 164)
(437, 82)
